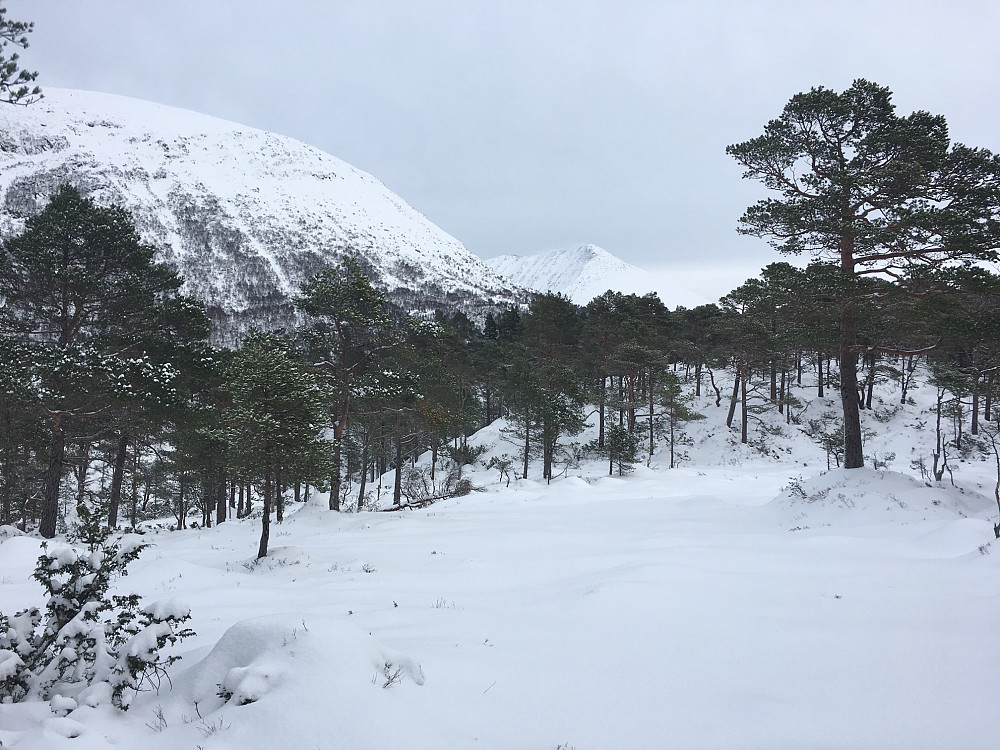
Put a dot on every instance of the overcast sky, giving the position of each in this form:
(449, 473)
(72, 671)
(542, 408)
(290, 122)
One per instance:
(526, 126)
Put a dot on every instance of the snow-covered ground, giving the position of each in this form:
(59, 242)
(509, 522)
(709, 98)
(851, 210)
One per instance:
(739, 601)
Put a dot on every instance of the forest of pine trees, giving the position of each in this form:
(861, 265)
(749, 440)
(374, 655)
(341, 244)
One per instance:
(111, 396)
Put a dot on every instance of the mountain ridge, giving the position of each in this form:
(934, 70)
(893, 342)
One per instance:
(243, 214)
(580, 273)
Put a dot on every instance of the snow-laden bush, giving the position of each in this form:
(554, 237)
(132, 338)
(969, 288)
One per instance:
(84, 637)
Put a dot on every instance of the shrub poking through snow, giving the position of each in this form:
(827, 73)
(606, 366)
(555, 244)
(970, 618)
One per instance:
(84, 637)
(419, 488)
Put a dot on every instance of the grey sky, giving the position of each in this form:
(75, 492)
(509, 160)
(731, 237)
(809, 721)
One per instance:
(526, 126)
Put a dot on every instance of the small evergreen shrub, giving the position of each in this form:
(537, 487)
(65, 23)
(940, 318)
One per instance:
(84, 637)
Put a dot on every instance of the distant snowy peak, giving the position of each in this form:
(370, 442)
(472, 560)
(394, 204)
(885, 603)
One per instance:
(581, 274)
(244, 215)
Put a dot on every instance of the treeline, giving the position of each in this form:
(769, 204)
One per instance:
(110, 395)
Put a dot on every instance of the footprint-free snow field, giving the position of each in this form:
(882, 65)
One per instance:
(693, 608)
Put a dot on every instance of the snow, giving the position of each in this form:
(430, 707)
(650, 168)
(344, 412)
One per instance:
(10, 663)
(62, 705)
(167, 609)
(6, 532)
(749, 598)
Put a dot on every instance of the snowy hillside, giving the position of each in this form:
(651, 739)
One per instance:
(243, 214)
(588, 271)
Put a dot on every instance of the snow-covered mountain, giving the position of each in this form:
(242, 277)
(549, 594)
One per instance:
(586, 272)
(244, 215)
(581, 273)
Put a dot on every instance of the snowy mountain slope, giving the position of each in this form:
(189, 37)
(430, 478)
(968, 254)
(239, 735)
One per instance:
(588, 271)
(581, 273)
(243, 214)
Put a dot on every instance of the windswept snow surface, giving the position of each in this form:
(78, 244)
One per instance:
(243, 214)
(736, 602)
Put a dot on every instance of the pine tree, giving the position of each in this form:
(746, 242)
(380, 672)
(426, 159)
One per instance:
(14, 79)
(275, 422)
(552, 395)
(86, 301)
(671, 408)
(622, 449)
(350, 327)
(873, 193)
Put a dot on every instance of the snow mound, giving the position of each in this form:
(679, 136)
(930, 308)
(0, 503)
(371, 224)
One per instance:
(279, 557)
(884, 495)
(263, 655)
(6, 532)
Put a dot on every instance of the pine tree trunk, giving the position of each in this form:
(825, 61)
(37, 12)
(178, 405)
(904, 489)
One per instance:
(265, 529)
(600, 425)
(364, 474)
(819, 369)
(53, 478)
(631, 404)
(220, 495)
(957, 423)
(527, 440)
(117, 477)
(279, 496)
(872, 364)
(743, 409)
(650, 460)
(181, 507)
(397, 490)
(853, 449)
(207, 498)
(335, 476)
(735, 396)
(7, 485)
(81, 471)
(134, 502)
(673, 419)
(988, 399)
(939, 447)
(975, 404)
